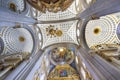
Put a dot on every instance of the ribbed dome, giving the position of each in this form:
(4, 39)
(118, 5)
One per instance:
(103, 31)
(17, 40)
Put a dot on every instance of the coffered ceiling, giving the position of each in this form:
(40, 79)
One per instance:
(68, 33)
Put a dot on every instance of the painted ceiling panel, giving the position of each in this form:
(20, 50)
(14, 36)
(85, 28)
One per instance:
(68, 33)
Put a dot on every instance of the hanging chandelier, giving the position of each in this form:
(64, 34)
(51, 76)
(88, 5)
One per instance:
(50, 5)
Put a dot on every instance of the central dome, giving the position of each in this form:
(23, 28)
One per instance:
(50, 5)
(50, 1)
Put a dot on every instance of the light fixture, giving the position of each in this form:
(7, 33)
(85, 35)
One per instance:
(61, 49)
(83, 73)
(76, 59)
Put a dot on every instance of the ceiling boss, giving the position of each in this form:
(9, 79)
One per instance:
(52, 31)
(50, 5)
